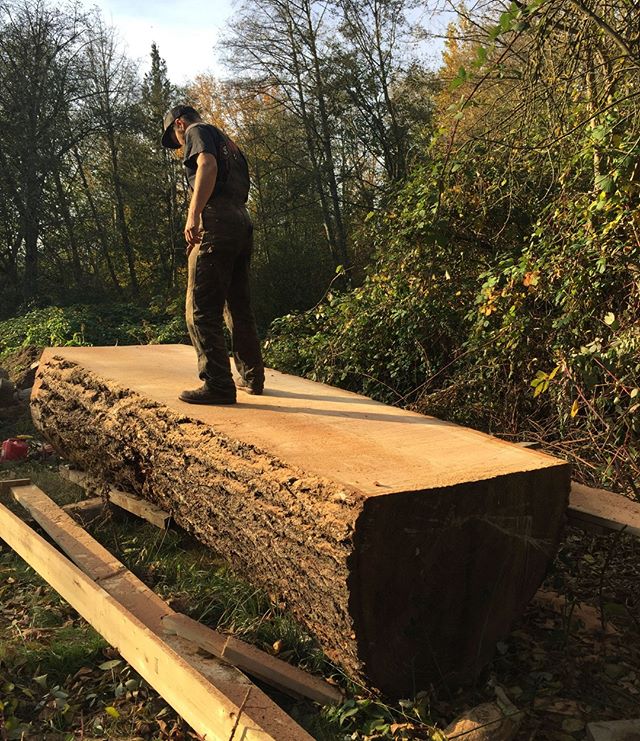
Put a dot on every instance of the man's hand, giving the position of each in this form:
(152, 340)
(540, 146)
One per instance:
(206, 175)
(192, 230)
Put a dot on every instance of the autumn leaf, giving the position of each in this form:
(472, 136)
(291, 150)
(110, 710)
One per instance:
(107, 665)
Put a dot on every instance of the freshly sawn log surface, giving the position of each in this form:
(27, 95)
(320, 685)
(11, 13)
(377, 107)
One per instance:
(405, 544)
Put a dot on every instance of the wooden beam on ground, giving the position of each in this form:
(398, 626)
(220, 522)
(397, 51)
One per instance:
(98, 563)
(253, 661)
(8, 484)
(74, 475)
(140, 507)
(86, 511)
(130, 502)
(604, 509)
(213, 697)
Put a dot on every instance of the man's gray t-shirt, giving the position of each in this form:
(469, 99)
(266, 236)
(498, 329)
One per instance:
(202, 137)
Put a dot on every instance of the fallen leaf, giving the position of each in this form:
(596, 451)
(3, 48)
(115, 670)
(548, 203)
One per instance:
(107, 665)
(571, 725)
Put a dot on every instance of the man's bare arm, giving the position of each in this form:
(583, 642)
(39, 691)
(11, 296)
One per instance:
(205, 181)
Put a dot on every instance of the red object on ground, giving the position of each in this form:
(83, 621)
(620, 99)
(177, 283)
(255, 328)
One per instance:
(14, 450)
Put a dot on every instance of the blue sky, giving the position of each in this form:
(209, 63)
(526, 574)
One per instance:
(185, 44)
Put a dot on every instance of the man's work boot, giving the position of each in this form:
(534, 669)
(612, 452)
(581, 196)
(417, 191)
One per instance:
(206, 395)
(249, 387)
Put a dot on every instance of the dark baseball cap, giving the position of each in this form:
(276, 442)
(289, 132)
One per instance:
(168, 140)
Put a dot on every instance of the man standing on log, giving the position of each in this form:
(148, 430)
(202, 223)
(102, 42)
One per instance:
(219, 236)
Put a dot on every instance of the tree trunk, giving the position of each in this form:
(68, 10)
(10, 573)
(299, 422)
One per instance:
(172, 220)
(68, 221)
(121, 218)
(104, 242)
(325, 135)
(31, 233)
(332, 238)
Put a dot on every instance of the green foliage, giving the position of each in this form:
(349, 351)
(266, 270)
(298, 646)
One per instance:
(388, 336)
(563, 319)
(364, 718)
(345, 340)
(498, 305)
(42, 328)
(109, 324)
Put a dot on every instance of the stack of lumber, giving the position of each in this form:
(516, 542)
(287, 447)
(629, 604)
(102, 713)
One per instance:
(405, 544)
(216, 699)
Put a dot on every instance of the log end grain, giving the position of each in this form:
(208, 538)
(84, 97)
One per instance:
(439, 577)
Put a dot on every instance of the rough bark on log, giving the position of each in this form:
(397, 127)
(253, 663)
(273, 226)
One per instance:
(406, 545)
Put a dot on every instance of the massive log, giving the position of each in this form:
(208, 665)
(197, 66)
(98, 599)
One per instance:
(405, 544)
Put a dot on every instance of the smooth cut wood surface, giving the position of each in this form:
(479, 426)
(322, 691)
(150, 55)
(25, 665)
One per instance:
(346, 437)
(206, 693)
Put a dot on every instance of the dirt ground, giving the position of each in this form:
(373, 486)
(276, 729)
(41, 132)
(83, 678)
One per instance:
(574, 657)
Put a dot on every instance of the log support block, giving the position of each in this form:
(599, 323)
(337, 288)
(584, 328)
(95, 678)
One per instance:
(131, 503)
(603, 509)
(406, 545)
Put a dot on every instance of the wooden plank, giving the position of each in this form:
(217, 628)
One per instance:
(74, 475)
(8, 484)
(206, 692)
(86, 511)
(257, 663)
(98, 563)
(603, 508)
(155, 661)
(140, 507)
(130, 502)
(88, 554)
